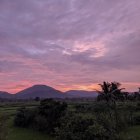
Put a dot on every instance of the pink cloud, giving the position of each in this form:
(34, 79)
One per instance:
(69, 44)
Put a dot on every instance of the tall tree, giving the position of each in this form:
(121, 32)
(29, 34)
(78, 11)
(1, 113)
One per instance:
(110, 92)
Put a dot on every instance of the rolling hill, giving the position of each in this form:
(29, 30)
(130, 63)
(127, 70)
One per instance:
(5, 95)
(41, 91)
(44, 91)
(81, 94)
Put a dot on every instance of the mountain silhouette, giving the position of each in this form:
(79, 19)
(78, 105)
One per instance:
(80, 93)
(44, 91)
(5, 95)
(41, 91)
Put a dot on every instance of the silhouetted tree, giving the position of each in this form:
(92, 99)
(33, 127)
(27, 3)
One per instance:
(46, 117)
(49, 114)
(110, 92)
(24, 117)
(37, 99)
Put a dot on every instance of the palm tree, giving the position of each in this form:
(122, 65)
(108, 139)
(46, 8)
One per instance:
(110, 92)
(104, 94)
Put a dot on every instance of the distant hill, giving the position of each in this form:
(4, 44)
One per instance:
(41, 91)
(5, 95)
(80, 93)
(44, 91)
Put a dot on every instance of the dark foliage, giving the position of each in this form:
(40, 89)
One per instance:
(24, 117)
(110, 92)
(44, 118)
(86, 127)
(49, 114)
(37, 99)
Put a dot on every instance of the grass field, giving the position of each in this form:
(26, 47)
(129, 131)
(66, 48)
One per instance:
(20, 133)
(132, 133)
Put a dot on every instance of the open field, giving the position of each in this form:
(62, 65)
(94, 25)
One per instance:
(15, 133)
(22, 133)
(131, 133)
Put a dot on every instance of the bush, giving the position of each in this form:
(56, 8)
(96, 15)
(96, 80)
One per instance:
(137, 120)
(44, 118)
(24, 117)
(84, 127)
(73, 127)
(49, 114)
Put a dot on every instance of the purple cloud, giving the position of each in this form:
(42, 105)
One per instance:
(71, 43)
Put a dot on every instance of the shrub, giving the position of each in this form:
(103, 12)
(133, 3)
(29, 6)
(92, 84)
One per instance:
(85, 127)
(49, 114)
(44, 118)
(24, 117)
(137, 119)
(73, 127)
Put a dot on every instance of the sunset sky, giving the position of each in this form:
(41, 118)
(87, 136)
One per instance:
(69, 44)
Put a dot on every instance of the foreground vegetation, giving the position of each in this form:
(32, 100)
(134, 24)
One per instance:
(7, 129)
(113, 116)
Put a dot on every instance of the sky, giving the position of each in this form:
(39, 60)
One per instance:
(69, 44)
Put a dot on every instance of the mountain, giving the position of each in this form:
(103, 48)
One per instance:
(5, 95)
(80, 93)
(41, 91)
(44, 91)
